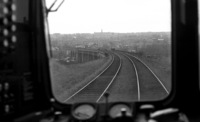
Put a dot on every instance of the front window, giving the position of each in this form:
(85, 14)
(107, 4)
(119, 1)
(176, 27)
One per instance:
(120, 47)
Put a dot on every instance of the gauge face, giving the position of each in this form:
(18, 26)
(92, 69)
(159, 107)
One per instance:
(116, 110)
(84, 112)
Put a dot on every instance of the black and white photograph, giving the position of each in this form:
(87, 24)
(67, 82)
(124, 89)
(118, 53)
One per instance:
(99, 60)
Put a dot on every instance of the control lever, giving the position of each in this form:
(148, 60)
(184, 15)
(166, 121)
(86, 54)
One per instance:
(106, 117)
(106, 95)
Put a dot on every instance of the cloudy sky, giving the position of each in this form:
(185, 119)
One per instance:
(88, 16)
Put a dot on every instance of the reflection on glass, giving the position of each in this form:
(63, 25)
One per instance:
(116, 46)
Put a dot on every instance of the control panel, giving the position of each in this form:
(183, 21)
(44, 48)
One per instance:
(19, 85)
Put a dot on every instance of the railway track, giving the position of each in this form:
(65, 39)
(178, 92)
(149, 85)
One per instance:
(144, 83)
(95, 89)
(149, 86)
(136, 74)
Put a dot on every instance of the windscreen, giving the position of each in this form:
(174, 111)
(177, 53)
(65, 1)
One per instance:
(119, 47)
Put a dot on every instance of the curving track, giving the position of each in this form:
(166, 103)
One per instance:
(127, 78)
(125, 86)
(94, 90)
(150, 87)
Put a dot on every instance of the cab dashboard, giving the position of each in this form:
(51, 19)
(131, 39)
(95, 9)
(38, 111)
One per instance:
(25, 89)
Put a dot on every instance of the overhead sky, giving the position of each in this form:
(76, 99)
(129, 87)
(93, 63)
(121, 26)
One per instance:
(88, 16)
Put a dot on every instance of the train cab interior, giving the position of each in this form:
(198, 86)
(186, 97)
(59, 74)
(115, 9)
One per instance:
(26, 93)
